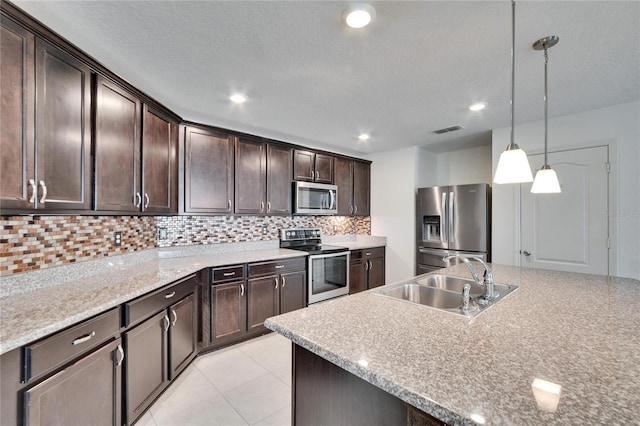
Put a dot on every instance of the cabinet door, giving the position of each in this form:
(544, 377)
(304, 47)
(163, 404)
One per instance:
(278, 180)
(208, 172)
(63, 102)
(228, 311)
(159, 163)
(250, 177)
(117, 149)
(146, 362)
(361, 188)
(357, 276)
(16, 109)
(303, 165)
(86, 393)
(344, 181)
(262, 302)
(376, 272)
(182, 334)
(293, 291)
(324, 168)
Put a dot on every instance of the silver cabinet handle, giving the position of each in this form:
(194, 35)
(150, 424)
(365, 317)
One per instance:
(166, 323)
(283, 282)
(366, 265)
(276, 280)
(169, 295)
(229, 205)
(121, 352)
(370, 265)
(138, 200)
(368, 253)
(279, 266)
(146, 200)
(175, 318)
(241, 289)
(351, 209)
(44, 192)
(268, 206)
(34, 190)
(355, 209)
(228, 274)
(84, 338)
(313, 175)
(261, 206)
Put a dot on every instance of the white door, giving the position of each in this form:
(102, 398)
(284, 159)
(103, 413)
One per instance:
(568, 231)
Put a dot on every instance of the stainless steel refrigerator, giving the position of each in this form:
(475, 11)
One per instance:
(450, 220)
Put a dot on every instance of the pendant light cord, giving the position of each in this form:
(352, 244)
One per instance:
(513, 67)
(546, 110)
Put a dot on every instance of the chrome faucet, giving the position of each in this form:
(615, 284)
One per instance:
(487, 277)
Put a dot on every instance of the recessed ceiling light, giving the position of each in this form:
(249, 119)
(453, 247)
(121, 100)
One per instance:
(364, 137)
(238, 98)
(359, 15)
(477, 106)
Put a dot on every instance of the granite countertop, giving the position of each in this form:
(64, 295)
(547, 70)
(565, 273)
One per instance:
(574, 330)
(35, 304)
(356, 242)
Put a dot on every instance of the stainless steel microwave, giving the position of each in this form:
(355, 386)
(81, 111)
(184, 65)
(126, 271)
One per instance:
(315, 198)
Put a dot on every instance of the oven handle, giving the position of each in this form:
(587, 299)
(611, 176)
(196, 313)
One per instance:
(338, 254)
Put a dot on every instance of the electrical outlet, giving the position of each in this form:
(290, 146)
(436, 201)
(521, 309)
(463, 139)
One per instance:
(117, 238)
(335, 228)
(162, 233)
(264, 230)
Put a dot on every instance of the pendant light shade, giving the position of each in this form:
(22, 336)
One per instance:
(546, 179)
(546, 182)
(513, 165)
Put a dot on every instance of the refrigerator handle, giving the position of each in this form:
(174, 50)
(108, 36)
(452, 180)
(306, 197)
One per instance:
(452, 223)
(443, 228)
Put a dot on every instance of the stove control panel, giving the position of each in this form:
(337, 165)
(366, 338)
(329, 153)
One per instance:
(300, 234)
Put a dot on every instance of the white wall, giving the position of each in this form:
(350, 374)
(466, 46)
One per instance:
(618, 126)
(465, 166)
(393, 185)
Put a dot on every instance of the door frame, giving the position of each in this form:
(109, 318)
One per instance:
(612, 199)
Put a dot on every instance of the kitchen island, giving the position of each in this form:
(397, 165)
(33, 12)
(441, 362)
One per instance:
(564, 348)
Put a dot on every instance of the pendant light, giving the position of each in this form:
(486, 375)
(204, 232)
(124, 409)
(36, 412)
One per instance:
(513, 166)
(546, 179)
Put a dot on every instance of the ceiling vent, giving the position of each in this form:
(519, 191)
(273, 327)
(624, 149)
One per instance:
(447, 129)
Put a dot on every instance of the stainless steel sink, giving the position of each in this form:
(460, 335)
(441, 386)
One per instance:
(447, 282)
(444, 292)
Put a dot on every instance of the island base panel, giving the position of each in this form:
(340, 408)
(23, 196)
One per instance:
(324, 393)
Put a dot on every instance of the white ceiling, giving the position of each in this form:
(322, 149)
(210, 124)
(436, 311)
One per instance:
(313, 81)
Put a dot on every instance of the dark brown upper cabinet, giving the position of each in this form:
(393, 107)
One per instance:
(310, 166)
(135, 154)
(353, 181)
(117, 149)
(17, 88)
(48, 169)
(159, 162)
(262, 178)
(208, 171)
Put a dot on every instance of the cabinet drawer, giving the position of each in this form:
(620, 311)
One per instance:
(277, 267)
(367, 253)
(149, 304)
(227, 273)
(62, 347)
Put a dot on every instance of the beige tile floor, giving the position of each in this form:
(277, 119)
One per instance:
(245, 384)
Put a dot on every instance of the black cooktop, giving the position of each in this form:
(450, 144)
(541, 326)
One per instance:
(307, 239)
(319, 249)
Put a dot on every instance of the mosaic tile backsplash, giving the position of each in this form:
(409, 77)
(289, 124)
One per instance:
(30, 243)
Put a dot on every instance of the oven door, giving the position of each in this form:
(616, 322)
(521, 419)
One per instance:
(328, 276)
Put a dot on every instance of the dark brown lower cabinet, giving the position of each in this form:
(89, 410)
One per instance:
(88, 392)
(159, 347)
(262, 302)
(325, 394)
(293, 291)
(366, 269)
